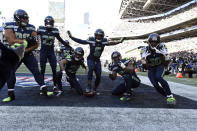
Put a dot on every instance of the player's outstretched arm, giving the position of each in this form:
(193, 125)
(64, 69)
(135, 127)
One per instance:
(65, 43)
(80, 41)
(115, 42)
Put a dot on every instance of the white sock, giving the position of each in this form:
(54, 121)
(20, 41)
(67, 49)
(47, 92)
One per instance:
(168, 96)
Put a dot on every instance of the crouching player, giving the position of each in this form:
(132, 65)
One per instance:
(126, 68)
(154, 59)
(69, 67)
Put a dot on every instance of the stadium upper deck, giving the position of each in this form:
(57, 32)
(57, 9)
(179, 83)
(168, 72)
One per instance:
(175, 26)
(140, 8)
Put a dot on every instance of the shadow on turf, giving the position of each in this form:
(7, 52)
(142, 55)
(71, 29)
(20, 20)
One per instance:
(145, 97)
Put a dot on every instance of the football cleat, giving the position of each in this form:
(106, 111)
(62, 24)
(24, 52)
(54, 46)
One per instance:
(88, 89)
(44, 91)
(171, 101)
(8, 99)
(126, 97)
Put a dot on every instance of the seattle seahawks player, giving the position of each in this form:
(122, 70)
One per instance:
(18, 32)
(47, 35)
(155, 58)
(69, 67)
(8, 58)
(97, 45)
(126, 68)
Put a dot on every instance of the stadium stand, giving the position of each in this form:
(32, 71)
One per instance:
(178, 23)
(177, 27)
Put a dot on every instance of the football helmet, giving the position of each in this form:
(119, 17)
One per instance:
(21, 17)
(116, 56)
(153, 40)
(99, 35)
(78, 53)
(49, 22)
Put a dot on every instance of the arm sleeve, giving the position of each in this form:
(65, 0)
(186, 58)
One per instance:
(65, 43)
(84, 42)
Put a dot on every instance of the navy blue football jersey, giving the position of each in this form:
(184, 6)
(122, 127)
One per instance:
(116, 68)
(72, 66)
(96, 48)
(20, 33)
(154, 59)
(47, 36)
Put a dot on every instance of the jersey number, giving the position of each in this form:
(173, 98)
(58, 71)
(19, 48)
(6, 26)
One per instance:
(155, 61)
(97, 52)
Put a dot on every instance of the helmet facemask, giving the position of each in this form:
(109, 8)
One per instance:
(153, 45)
(78, 56)
(153, 40)
(24, 21)
(49, 22)
(99, 37)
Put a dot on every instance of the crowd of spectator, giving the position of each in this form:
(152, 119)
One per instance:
(184, 62)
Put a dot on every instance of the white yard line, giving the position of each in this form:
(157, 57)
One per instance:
(177, 88)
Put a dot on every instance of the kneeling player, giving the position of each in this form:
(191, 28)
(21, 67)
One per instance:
(126, 68)
(69, 67)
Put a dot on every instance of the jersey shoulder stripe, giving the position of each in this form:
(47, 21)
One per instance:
(41, 29)
(10, 25)
(55, 30)
(30, 27)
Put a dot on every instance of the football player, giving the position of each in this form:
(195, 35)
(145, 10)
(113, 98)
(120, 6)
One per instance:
(17, 32)
(126, 68)
(8, 58)
(154, 59)
(47, 35)
(69, 67)
(97, 45)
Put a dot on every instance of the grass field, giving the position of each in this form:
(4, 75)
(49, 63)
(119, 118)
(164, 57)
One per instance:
(186, 81)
